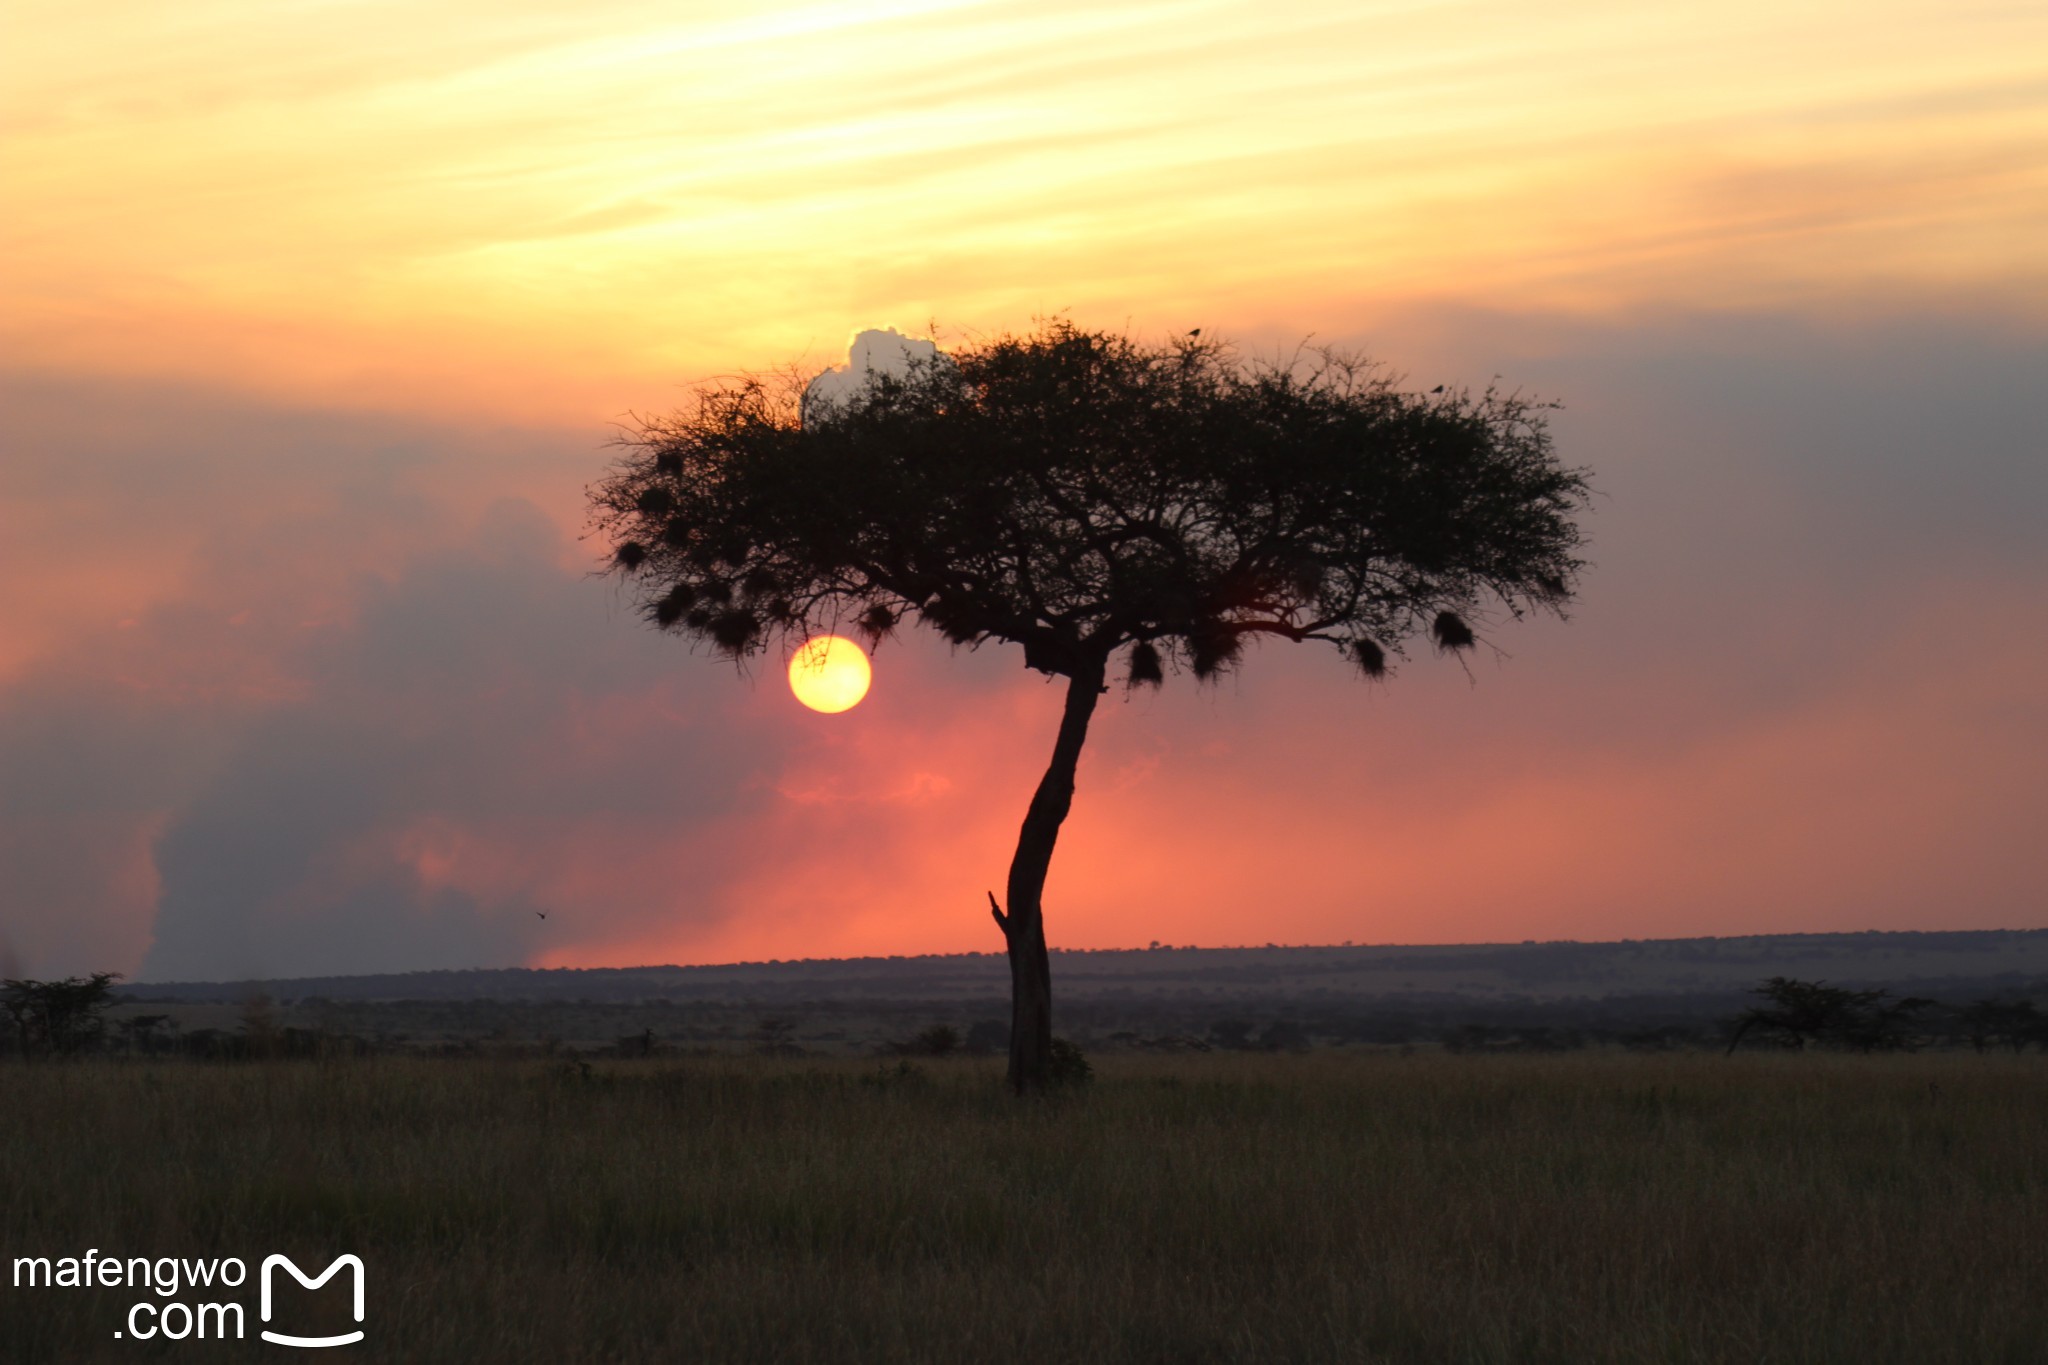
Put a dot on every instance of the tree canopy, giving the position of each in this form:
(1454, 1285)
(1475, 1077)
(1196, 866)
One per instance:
(1083, 493)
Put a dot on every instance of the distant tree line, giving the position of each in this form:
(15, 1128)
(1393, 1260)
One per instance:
(1795, 1014)
(75, 1017)
(1791, 1014)
(68, 1018)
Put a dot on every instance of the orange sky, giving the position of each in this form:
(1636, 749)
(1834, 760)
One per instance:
(315, 316)
(551, 210)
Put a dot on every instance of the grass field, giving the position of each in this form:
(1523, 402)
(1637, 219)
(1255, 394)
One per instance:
(1330, 1207)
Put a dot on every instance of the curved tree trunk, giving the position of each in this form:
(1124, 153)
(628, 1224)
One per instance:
(1024, 926)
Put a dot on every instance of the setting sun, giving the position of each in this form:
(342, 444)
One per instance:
(830, 674)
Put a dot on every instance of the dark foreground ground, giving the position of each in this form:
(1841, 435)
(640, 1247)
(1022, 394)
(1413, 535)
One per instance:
(1339, 1206)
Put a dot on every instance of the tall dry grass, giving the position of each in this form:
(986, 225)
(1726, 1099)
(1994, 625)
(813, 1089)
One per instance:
(1332, 1207)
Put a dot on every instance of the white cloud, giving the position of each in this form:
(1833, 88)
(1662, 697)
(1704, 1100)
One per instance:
(878, 350)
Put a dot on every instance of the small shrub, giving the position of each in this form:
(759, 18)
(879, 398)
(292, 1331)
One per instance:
(1284, 1035)
(936, 1041)
(634, 1044)
(1231, 1033)
(940, 1040)
(1069, 1065)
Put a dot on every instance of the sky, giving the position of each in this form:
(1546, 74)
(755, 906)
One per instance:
(319, 317)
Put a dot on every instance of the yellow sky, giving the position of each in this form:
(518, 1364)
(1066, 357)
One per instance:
(556, 210)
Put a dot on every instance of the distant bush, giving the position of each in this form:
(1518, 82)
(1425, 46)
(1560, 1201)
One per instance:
(773, 1037)
(1069, 1065)
(940, 1040)
(1284, 1035)
(1231, 1033)
(937, 1041)
(634, 1044)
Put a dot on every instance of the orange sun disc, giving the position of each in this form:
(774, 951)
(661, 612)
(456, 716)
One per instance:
(830, 674)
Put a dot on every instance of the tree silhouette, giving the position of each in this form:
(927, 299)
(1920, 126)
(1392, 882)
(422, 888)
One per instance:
(2015, 1023)
(58, 1017)
(1100, 501)
(1799, 1012)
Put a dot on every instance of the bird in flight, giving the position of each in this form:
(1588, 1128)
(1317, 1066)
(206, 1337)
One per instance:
(1438, 389)
(1197, 332)
(542, 913)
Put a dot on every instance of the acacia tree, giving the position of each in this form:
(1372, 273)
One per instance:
(1798, 1012)
(59, 1017)
(1108, 504)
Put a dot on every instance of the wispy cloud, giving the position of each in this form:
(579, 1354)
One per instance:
(506, 210)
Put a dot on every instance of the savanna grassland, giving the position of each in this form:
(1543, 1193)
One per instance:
(1335, 1206)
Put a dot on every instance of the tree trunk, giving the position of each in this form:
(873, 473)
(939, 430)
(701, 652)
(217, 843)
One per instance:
(1024, 926)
